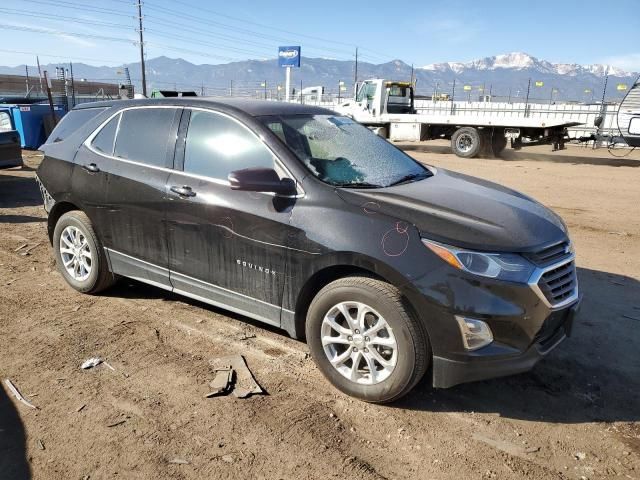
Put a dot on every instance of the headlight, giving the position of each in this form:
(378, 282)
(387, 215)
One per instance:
(502, 266)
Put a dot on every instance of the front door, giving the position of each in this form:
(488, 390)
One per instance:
(226, 247)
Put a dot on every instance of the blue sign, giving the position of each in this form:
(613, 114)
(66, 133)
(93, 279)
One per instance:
(289, 57)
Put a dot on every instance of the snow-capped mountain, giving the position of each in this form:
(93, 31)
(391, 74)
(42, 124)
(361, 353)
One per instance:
(522, 61)
(506, 75)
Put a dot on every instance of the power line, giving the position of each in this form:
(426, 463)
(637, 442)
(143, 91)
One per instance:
(244, 31)
(78, 6)
(47, 55)
(49, 16)
(270, 27)
(63, 33)
(298, 34)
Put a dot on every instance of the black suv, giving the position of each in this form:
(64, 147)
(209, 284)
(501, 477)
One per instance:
(308, 221)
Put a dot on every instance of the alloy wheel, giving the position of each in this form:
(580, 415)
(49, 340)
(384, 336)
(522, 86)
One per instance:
(75, 253)
(359, 343)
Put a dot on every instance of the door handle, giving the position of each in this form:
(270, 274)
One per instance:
(91, 167)
(183, 191)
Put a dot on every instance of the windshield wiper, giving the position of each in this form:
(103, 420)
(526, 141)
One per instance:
(356, 185)
(411, 177)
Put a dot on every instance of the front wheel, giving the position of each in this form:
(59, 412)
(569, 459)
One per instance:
(79, 254)
(365, 340)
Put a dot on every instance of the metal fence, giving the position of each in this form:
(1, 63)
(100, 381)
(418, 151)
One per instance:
(68, 92)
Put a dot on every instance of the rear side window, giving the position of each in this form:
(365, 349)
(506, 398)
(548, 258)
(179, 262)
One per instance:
(143, 135)
(104, 141)
(217, 145)
(71, 122)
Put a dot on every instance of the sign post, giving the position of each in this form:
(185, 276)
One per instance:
(288, 57)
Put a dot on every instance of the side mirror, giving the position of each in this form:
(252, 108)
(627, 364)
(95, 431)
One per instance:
(261, 180)
(597, 122)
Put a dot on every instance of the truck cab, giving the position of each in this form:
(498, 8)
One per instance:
(377, 97)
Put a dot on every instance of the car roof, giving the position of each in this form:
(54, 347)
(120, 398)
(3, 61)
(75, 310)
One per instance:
(254, 108)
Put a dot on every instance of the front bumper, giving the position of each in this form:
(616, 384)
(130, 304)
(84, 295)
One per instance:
(557, 327)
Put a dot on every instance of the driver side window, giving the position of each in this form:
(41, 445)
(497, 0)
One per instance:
(216, 145)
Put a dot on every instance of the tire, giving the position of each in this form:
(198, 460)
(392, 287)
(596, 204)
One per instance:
(498, 142)
(406, 349)
(466, 142)
(93, 273)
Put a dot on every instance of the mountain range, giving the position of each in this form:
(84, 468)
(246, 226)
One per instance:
(502, 75)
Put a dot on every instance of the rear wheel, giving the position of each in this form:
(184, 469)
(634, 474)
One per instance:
(79, 254)
(365, 339)
(466, 142)
(498, 142)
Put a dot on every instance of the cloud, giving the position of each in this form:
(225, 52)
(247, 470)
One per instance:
(58, 33)
(629, 62)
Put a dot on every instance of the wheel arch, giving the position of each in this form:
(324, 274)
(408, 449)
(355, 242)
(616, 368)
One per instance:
(360, 265)
(58, 209)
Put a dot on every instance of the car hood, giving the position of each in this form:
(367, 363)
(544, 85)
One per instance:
(465, 211)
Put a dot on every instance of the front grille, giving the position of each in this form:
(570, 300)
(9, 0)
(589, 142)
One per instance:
(560, 283)
(550, 254)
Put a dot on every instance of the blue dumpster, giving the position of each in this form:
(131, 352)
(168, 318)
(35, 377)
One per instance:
(29, 121)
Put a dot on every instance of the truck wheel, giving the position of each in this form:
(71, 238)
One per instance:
(498, 142)
(365, 340)
(79, 254)
(466, 142)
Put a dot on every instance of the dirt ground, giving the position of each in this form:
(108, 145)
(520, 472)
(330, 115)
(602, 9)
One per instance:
(575, 416)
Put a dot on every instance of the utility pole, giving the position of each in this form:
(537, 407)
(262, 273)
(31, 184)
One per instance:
(73, 86)
(39, 73)
(144, 75)
(411, 81)
(453, 96)
(53, 112)
(265, 89)
(526, 103)
(355, 74)
(603, 111)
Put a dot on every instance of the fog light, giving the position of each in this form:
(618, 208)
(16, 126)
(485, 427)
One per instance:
(475, 333)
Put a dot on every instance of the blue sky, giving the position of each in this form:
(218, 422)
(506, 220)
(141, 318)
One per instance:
(419, 32)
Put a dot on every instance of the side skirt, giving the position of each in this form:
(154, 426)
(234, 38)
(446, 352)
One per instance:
(145, 272)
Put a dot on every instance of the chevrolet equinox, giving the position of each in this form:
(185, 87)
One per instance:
(306, 220)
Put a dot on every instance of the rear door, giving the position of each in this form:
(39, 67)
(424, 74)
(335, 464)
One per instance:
(10, 151)
(133, 154)
(227, 247)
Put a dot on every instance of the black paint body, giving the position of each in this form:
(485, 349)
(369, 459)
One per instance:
(266, 256)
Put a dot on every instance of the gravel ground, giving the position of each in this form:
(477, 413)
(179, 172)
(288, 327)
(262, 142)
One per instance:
(576, 415)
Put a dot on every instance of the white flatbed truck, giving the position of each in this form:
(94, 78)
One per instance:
(387, 107)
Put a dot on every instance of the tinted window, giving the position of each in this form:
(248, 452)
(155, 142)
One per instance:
(71, 122)
(217, 145)
(103, 142)
(143, 135)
